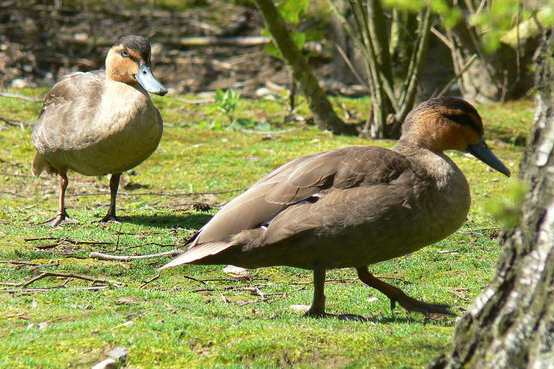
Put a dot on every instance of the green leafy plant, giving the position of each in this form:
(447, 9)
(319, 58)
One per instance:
(226, 102)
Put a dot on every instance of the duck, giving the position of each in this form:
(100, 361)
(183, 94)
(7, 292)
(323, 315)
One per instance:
(101, 122)
(355, 206)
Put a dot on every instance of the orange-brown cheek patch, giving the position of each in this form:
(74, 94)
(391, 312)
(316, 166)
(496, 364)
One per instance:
(456, 137)
(123, 69)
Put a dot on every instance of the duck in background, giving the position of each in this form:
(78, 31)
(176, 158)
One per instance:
(101, 122)
(354, 206)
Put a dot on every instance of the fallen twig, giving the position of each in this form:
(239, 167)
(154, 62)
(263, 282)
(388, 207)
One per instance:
(235, 279)
(462, 297)
(14, 123)
(47, 246)
(76, 276)
(101, 256)
(59, 241)
(17, 262)
(40, 239)
(216, 41)
(18, 96)
(150, 280)
(90, 288)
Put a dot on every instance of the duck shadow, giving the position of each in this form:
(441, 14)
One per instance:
(194, 221)
(391, 319)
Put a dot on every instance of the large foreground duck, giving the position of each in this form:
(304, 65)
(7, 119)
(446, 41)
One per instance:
(101, 122)
(354, 206)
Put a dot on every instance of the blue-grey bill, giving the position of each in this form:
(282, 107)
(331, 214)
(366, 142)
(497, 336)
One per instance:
(482, 152)
(146, 79)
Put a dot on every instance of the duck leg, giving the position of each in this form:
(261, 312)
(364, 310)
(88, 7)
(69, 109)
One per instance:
(114, 187)
(318, 305)
(61, 217)
(396, 295)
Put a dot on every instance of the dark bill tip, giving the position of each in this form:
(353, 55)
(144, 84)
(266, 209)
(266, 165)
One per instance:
(146, 79)
(482, 152)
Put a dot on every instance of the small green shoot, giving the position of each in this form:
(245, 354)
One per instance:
(225, 102)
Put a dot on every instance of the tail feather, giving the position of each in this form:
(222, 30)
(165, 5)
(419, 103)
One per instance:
(199, 252)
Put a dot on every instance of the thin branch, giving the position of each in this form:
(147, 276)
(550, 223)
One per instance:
(407, 100)
(457, 76)
(40, 239)
(14, 123)
(65, 275)
(376, 76)
(100, 256)
(351, 67)
(150, 280)
(90, 288)
(442, 37)
(18, 96)
(17, 262)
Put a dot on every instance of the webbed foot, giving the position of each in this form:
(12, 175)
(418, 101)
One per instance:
(61, 218)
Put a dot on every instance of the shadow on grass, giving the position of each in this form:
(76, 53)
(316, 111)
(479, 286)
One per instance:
(387, 320)
(195, 221)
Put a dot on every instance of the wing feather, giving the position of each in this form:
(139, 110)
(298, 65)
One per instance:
(299, 180)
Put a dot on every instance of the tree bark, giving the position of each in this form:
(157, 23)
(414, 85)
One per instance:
(324, 115)
(511, 324)
(493, 77)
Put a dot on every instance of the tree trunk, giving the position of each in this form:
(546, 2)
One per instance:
(392, 95)
(492, 77)
(511, 324)
(324, 115)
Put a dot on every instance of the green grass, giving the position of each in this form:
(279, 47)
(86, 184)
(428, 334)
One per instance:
(176, 322)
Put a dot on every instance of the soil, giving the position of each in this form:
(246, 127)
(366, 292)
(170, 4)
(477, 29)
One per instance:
(41, 43)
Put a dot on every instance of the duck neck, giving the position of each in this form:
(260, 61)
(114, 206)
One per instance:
(435, 164)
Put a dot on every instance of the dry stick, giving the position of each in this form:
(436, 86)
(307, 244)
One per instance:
(68, 240)
(459, 295)
(76, 276)
(86, 242)
(40, 239)
(150, 280)
(91, 288)
(14, 123)
(47, 246)
(457, 76)
(18, 96)
(101, 256)
(18, 262)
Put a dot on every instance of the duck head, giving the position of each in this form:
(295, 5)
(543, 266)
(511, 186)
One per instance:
(128, 61)
(449, 123)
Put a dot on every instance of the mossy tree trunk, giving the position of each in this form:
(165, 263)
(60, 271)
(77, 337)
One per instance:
(324, 115)
(511, 324)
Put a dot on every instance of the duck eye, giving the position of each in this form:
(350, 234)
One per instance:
(125, 53)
